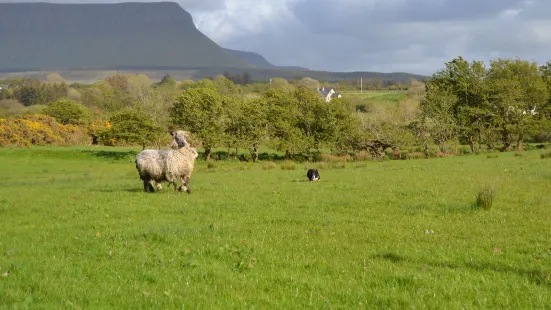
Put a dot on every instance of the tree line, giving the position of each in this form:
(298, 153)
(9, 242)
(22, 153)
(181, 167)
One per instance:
(485, 106)
(500, 106)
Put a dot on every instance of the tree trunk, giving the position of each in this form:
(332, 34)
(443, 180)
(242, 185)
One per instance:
(236, 153)
(395, 152)
(254, 152)
(143, 146)
(287, 154)
(207, 153)
(471, 144)
(506, 141)
(425, 146)
(520, 142)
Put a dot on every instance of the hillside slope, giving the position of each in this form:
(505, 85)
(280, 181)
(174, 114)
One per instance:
(126, 35)
(259, 61)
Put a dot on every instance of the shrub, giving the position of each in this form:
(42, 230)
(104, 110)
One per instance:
(485, 198)
(36, 129)
(11, 135)
(98, 131)
(288, 165)
(268, 165)
(545, 155)
(415, 155)
(131, 126)
(465, 150)
(362, 155)
(68, 112)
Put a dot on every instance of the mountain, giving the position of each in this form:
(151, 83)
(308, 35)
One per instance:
(89, 41)
(37, 36)
(258, 60)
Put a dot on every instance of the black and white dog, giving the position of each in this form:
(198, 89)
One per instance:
(313, 175)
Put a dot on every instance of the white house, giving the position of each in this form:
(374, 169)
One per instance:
(328, 93)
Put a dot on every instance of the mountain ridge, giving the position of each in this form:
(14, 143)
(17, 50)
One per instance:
(132, 36)
(259, 60)
(51, 35)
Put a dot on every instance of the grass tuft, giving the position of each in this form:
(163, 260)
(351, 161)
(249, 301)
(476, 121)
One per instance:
(268, 165)
(485, 198)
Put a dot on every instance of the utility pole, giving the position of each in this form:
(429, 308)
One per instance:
(361, 85)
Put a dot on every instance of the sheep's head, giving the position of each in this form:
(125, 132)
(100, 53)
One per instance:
(179, 139)
(194, 152)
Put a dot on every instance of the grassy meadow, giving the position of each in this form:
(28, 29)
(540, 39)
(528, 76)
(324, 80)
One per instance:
(386, 96)
(77, 231)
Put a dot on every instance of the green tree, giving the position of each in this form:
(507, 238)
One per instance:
(186, 84)
(438, 117)
(280, 83)
(200, 111)
(252, 125)
(132, 126)
(515, 88)
(224, 85)
(205, 83)
(347, 134)
(68, 112)
(232, 113)
(317, 121)
(465, 81)
(283, 116)
(166, 81)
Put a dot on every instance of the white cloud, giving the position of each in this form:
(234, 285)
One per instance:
(383, 35)
(237, 18)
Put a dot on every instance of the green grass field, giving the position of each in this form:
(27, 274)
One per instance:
(77, 231)
(379, 96)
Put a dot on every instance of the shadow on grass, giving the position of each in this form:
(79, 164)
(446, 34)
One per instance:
(452, 209)
(539, 277)
(112, 155)
(128, 190)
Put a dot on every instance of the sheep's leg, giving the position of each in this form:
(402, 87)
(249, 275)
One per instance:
(145, 187)
(159, 186)
(185, 185)
(175, 185)
(148, 187)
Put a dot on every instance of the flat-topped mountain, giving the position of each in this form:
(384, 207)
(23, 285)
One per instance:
(153, 37)
(125, 35)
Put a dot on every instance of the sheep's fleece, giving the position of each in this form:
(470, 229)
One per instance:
(170, 165)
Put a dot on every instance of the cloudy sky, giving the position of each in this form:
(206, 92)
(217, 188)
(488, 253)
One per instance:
(376, 35)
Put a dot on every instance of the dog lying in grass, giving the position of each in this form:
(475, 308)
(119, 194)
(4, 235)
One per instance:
(313, 175)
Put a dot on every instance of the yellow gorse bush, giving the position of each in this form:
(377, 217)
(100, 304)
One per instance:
(37, 129)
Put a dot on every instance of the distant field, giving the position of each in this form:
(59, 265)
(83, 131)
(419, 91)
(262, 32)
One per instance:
(78, 232)
(92, 76)
(374, 95)
(257, 74)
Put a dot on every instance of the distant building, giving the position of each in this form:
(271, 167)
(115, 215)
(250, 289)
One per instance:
(328, 93)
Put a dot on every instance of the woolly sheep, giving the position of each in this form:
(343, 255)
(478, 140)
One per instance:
(171, 165)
